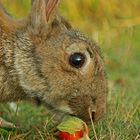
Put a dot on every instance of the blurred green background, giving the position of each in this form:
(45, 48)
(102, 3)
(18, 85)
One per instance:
(115, 26)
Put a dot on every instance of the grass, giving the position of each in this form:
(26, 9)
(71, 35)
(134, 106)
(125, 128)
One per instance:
(120, 47)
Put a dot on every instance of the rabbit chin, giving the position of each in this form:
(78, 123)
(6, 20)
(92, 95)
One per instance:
(59, 112)
(60, 109)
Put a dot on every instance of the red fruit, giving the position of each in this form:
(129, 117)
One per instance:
(72, 128)
(67, 136)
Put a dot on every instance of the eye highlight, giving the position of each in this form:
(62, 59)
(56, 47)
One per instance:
(77, 60)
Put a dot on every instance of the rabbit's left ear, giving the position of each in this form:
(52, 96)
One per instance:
(42, 12)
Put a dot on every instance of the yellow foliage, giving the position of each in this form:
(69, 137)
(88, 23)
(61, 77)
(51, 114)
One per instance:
(89, 15)
(18, 8)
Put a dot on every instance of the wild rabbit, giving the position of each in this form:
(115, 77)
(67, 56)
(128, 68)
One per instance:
(44, 58)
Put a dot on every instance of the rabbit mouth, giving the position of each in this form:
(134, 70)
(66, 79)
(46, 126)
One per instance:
(64, 109)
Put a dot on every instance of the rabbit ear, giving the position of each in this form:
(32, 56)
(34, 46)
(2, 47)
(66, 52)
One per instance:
(42, 12)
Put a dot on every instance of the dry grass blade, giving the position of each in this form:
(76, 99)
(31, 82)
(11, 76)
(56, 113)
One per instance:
(4, 123)
(93, 127)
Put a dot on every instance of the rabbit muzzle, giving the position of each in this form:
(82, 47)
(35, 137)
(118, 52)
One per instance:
(84, 107)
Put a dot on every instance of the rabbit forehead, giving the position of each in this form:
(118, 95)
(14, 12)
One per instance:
(76, 47)
(75, 41)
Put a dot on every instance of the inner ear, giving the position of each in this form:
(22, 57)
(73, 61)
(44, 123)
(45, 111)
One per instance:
(50, 6)
(46, 5)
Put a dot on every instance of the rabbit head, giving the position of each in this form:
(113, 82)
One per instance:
(59, 65)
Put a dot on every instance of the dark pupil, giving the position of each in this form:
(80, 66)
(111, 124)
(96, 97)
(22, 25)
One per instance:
(77, 60)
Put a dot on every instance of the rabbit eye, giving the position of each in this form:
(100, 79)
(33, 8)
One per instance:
(77, 60)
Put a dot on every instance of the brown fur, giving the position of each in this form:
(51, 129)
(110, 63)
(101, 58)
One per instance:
(34, 63)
